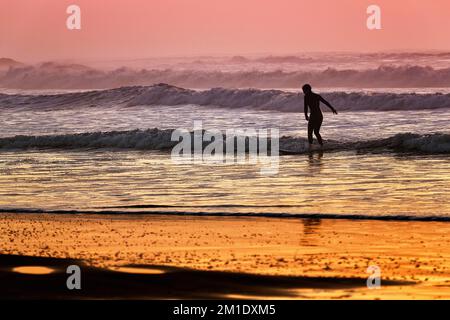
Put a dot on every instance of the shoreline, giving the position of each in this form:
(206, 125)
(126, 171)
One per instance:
(306, 250)
(206, 214)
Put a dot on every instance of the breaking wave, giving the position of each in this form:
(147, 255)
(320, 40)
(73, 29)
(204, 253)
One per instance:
(276, 100)
(156, 139)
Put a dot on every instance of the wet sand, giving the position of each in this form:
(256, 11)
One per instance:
(210, 257)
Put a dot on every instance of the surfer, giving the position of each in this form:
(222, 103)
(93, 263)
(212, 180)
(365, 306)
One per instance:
(315, 118)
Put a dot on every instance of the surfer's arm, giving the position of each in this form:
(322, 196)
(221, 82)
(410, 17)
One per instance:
(325, 102)
(306, 109)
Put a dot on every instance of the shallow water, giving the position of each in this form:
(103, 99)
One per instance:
(332, 183)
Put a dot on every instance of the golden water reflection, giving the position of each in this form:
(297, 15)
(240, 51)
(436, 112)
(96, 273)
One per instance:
(339, 183)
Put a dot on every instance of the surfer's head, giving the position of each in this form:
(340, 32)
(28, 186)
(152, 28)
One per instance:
(307, 89)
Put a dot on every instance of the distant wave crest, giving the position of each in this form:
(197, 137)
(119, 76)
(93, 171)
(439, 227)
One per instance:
(277, 100)
(156, 139)
(55, 76)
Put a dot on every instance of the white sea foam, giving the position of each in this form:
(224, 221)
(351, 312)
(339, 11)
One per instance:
(156, 139)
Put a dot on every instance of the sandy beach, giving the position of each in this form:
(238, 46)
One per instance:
(155, 256)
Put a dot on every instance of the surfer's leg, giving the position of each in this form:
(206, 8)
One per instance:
(319, 137)
(310, 131)
(317, 126)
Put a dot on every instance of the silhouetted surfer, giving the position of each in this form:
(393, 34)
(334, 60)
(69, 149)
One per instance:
(315, 118)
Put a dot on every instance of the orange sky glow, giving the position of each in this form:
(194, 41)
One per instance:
(35, 30)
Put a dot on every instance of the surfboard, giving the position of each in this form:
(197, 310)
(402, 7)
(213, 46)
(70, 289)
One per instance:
(293, 152)
(289, 152)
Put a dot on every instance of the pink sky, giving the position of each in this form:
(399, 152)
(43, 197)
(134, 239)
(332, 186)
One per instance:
(34, 30)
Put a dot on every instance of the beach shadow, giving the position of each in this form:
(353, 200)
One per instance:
(20, 281)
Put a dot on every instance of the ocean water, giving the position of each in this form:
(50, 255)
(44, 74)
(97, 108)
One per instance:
(46, 165)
